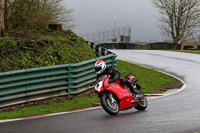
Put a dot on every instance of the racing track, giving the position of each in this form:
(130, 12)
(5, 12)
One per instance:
(177, 113)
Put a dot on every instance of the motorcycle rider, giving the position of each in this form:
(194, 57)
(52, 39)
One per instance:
(101, 69)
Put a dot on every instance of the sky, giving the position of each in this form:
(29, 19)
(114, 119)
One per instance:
(95, 15)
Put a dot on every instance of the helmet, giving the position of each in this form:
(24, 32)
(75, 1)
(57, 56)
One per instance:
(100, 66)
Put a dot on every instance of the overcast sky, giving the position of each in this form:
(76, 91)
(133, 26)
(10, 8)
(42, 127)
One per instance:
(94, 15)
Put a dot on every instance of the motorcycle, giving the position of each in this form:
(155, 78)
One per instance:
(116, 97)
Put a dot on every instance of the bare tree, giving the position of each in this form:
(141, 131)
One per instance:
(59, 12)
(2, 26)
(179, 19)
(35, 14)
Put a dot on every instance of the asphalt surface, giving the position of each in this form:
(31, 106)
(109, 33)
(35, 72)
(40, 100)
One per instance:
(177, 113)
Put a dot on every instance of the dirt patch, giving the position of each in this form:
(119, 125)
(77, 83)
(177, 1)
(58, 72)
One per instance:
(173, 85)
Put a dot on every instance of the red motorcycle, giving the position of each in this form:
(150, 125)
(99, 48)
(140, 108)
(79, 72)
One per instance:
(115, 97)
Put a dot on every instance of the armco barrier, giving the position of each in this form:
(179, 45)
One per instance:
(100, 51)
(144, 46)
(33, 84)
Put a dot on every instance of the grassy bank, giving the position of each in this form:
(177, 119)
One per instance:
(37, 48)
(150, 80)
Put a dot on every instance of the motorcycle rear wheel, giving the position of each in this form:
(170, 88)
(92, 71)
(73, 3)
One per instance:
(142, 103)
(109, 104)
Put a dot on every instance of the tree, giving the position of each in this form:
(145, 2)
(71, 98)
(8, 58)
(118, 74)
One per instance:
(35, 14)
(179, 19)
(2, 26)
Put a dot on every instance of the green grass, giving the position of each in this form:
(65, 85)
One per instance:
(30, 49)
(150, 80)
(73, 104)
(187, 51)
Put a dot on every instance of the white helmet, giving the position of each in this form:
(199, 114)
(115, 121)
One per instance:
(100, 66)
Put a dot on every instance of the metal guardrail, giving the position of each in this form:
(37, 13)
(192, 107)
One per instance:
(100, 51)
(23, 86)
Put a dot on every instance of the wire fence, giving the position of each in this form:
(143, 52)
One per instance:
(116, 35)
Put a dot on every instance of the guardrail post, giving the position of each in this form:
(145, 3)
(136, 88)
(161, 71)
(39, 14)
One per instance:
(69, 79)
(27, 86)
(113, 61)
(100, 52)
(106, 52)
(90, 44)
(94, 47)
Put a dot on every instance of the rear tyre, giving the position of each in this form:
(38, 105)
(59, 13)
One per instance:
(109, 104)
(142, 103)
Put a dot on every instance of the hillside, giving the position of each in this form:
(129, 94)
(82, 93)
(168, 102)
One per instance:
(29, 49)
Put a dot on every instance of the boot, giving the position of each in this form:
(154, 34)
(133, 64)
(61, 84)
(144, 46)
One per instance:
(135, 92)
(133, 88)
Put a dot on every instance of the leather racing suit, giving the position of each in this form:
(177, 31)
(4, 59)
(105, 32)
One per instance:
(115, 75)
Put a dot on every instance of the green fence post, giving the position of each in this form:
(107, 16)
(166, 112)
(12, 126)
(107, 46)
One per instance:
(114, 60)
(27, 86)
(69, 79)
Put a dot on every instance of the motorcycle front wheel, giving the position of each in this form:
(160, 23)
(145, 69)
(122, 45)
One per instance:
(109, 103)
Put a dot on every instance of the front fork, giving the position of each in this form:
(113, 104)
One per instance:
(138, 86)
(111, 97)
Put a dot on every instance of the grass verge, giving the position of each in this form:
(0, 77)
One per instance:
(150, 80)
(73, 104)
(187, 51)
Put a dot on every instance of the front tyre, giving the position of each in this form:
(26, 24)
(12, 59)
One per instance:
(142, 103)
(109, 103)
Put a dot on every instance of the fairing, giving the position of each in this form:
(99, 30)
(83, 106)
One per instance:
(120, 92)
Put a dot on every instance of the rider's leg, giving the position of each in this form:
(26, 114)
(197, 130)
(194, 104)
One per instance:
(122, 81)
(134, 90)
(132, 87)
